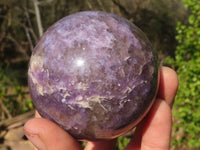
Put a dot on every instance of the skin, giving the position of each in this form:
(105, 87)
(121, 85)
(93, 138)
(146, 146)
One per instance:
(152, 133)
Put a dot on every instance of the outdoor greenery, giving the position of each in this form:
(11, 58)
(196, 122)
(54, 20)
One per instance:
(187, 64)
(14, 97)
(174, 31)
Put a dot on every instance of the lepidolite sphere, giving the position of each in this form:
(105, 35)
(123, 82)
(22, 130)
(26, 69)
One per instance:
(93, 73)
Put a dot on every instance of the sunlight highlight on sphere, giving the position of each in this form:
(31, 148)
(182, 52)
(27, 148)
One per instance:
(79, 62)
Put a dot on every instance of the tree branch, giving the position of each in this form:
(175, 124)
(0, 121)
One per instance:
(4, 109)
(101, 5)
(30, 29)
(123, 10)
(20, 119)
(20, 48)
(38, 17)
(89, 5)
(29, 38)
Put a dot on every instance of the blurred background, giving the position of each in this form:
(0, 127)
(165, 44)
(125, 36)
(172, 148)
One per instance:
(172, 26)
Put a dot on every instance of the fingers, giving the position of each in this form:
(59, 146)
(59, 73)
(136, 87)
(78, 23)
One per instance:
(168, 85)
(157, 127)
(154, 131)
(105, 145)
(102, 145)
(46, 135)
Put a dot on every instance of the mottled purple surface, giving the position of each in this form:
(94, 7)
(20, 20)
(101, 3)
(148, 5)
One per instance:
(93, 73)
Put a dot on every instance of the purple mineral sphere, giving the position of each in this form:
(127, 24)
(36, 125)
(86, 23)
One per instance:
(93, 73)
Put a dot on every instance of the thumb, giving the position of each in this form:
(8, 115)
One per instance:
(46, 135)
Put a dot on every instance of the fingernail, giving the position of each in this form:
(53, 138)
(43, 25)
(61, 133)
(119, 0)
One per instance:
(35, 140)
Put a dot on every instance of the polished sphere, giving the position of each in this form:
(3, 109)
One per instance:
(93, 73)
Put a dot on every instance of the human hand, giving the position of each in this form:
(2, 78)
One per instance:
(153, 132)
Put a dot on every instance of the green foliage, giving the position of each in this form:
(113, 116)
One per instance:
(187, 63)
(13, 95)
(122, 142)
